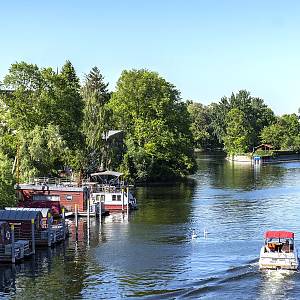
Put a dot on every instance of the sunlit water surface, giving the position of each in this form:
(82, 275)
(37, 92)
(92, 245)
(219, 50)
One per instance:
(152, 254)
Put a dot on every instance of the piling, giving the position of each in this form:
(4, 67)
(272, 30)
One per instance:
(122, 199)
(76, 218)
(88, 210)
(49, 229)
(13, 255)
(127, 201)
(100, 212)
(32, 236)
(63, 222)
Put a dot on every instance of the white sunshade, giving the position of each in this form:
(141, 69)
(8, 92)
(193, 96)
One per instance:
(107, 173)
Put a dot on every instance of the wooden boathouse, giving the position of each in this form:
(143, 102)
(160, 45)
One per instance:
(28, 226)
(12, 250)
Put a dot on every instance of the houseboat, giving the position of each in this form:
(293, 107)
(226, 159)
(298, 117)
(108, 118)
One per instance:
(54, 194)
(28, 226)
(279, 251)
(108, 188)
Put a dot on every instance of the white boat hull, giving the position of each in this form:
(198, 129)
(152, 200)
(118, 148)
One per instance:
(278, 260)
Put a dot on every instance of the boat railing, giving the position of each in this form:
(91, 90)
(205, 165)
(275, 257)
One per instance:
(58, 181)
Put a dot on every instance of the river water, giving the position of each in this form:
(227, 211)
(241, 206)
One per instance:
(152, 255)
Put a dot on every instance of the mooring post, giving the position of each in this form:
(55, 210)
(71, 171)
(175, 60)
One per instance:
(76, 218)
(63, 222)
(88, 208)
(32, 236)
(122, 199)
(127, 201)
(13, 252)
(100, 211)
(49, 229)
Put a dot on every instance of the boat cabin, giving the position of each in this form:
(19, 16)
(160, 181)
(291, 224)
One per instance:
(109, 189)
(279, 241)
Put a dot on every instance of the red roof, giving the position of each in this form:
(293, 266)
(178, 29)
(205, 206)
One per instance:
(279, 234)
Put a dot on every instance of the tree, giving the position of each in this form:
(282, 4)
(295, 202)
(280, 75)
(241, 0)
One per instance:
(157, 124)
(201, 128)
(35, 99)
(7, 181)
(238, 132)
(257, 114)
(96, 115)
(284, 134)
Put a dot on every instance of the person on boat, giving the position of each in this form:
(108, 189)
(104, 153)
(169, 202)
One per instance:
(286, 247)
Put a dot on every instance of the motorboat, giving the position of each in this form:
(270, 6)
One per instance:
(279, 251)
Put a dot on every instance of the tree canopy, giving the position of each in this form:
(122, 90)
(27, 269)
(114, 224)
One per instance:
(149, 109)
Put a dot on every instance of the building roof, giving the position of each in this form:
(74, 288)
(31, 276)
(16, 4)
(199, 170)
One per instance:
(44, 211)
(16, 215)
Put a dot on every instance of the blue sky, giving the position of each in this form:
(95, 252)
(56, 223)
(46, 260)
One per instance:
(207, 49)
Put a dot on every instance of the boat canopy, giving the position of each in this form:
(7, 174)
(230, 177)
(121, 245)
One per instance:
(279, 234)
(107, 173)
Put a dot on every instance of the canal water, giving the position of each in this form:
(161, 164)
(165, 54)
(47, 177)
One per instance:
(152, 255)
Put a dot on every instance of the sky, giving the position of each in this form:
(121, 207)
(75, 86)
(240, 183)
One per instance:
(207, 49)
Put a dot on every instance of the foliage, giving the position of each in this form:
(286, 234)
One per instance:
(257, 115)
(96, 116)
(238, 132)
(203, 135)
(43, 113)
(284, 134)
(7, 193)
(157, 124)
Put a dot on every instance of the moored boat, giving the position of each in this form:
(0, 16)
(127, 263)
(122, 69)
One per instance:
(107, 187)
(279, 251)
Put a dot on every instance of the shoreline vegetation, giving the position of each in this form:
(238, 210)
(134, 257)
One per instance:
(51, 123)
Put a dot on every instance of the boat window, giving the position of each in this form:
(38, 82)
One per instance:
(119, 198)
(102, 198)
(114, 197)
(39, 197)
(69, 197)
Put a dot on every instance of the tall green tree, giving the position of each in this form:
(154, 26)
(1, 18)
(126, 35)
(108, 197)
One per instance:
(257, 114)
(238, 132)
(157, 124)
(96, 116)
(34, 98)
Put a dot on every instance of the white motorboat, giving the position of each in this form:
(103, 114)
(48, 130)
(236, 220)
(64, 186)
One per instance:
(279, 251)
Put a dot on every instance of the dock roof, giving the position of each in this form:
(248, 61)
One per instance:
(44, 211)
(19, 215)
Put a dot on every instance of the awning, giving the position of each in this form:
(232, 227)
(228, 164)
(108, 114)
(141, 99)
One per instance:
(279, 234)
(107, 173)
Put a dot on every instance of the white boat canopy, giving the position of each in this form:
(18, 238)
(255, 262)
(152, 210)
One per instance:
(107, 173)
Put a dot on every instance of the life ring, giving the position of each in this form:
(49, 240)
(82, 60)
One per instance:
(7, 235)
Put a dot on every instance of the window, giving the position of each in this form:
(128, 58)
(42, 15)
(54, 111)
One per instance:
(45, 197)
(114, 197)
(119, 198)
(69, 197)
